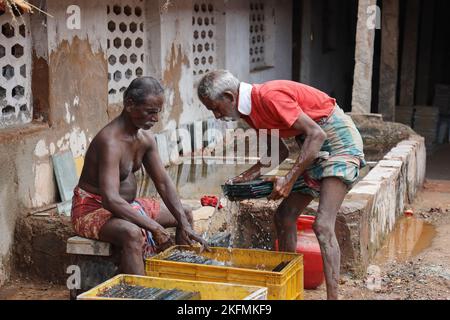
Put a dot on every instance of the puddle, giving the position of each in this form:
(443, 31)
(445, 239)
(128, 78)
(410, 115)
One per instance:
(410, 237)
(196, 180)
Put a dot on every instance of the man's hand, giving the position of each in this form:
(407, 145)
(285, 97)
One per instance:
(186, 236)
(162, 239)
(282, 188)
(238, 179)
(244, 177)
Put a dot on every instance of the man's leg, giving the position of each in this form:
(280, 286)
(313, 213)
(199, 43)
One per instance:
(167, 220)
(129, 238)
(332, 194)
(286, 220)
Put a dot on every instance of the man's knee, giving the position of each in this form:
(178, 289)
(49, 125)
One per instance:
(323, 228)
(133, 237)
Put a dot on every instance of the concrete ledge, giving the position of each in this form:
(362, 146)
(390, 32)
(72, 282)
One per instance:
(368, 214)
(387, 189)
(83, 246)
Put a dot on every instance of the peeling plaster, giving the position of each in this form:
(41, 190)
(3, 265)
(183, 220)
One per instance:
(78, 142)
(67, 117)
(43, 185)
(177, 64)
(52, 148)
(41, 149)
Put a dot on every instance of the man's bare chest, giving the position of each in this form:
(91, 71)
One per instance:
(131, 161)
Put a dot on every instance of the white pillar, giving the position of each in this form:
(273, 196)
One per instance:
(365, 38)
(389, 59)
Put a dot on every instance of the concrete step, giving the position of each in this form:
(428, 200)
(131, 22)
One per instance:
(83, 246)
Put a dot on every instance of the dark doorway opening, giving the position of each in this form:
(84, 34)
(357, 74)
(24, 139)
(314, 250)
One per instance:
(324, 33)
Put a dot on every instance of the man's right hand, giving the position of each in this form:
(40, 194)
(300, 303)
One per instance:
(162, 239)
(244, 177)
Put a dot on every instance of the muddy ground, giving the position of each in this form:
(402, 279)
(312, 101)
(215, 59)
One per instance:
(425, 276)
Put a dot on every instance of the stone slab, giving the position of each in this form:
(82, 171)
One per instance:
(66, 174)
(83, 246)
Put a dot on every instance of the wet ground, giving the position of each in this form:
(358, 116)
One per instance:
(27, 289)
(413, 265)
(415, 262)
(439, 163)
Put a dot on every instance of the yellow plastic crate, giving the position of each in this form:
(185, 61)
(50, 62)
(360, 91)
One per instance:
(207, 290)
(284, 285)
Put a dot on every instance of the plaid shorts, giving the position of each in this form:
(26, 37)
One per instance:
(341, 155)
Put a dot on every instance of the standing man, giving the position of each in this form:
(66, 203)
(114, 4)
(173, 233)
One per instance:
(104, 205)
(329, 162)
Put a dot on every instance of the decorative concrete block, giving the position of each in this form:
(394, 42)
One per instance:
(83, 246)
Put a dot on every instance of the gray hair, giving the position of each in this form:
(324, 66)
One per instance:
(215, 83)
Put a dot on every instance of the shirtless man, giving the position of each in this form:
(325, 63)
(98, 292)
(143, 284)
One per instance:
(105, 207)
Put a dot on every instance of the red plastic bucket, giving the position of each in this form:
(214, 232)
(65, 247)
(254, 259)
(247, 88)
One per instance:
(308, 246)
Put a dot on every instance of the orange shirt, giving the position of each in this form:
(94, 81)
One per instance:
(278, 104)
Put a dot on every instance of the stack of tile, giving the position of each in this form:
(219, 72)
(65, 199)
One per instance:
(256, 189)
(404, 115)
(426, 124)
(192, 257)
(422, 119)
(125, 291)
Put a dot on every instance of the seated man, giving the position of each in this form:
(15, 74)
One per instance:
(104, 205)
(329, 162)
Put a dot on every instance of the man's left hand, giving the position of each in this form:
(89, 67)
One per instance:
(185, 235)
(282, 188)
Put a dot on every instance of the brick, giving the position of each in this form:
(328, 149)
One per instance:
(390, 163)
(382, 173)
(364, 187)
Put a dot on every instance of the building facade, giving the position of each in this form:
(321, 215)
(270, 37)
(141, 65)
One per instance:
(63, 75)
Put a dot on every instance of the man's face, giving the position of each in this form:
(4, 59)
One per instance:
(224, 109)
(146, 115)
